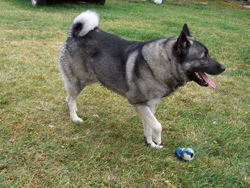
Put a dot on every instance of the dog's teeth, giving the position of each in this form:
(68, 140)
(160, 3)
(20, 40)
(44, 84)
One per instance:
(198, 76)
(196, 73)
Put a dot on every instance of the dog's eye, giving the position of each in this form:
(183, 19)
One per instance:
(204, 57)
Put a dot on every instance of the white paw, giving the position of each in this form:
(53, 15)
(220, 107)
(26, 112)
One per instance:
(157, 141)
(157, 138)
(158, 1)
(159, 147)
(153, 145)
(77, 119)
(156, 146)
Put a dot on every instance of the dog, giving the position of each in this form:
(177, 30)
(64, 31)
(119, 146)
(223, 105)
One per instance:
(143, 72)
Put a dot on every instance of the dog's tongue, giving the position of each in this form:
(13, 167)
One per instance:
(204, 77)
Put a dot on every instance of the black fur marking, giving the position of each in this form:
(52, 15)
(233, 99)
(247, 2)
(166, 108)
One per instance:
(77, 29)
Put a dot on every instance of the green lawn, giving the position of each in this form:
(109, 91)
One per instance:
(41, 147)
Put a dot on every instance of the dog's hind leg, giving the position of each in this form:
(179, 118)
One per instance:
(152, 128)
(74, 78)
(73, 91)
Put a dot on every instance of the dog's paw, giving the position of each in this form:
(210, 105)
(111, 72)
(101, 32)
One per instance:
(158, 1)
(159, 147)
(156, 146)
(157, 139)
(153, 145)
(77, 119)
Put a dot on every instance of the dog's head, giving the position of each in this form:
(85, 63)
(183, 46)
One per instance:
(195, 59)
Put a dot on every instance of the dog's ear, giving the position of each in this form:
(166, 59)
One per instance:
(182, 45)
(186, 30)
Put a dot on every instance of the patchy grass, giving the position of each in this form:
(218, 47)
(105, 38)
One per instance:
(41, 147)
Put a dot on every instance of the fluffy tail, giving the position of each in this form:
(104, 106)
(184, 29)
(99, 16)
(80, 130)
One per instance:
(83, 23)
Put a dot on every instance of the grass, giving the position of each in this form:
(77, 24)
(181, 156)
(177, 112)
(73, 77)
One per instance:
(41, 147)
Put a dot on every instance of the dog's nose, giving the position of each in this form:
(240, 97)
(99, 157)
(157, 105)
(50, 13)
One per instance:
(222, 68)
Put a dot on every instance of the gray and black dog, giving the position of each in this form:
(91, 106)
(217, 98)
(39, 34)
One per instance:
(143, 72)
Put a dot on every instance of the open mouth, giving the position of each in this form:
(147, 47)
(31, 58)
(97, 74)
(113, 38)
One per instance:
(202, 79)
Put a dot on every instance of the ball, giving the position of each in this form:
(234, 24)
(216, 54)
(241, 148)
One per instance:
(186, 154)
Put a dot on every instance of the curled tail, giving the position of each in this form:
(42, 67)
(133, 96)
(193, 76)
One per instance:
(83, 23)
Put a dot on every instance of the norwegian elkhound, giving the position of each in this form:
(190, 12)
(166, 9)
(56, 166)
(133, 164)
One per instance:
(143, 72)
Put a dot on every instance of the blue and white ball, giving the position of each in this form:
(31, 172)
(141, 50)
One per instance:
(186, 154)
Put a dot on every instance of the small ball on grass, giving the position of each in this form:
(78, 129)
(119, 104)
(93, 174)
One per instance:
(186, 154)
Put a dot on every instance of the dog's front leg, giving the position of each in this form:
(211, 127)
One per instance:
(148, 131)
(154, 129)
